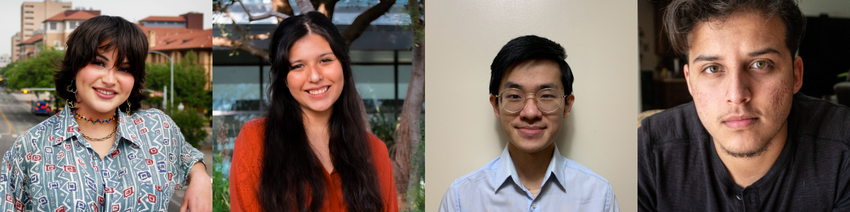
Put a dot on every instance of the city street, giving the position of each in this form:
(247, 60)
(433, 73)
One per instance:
(15, 118)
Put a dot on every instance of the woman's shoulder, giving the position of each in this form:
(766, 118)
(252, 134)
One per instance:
(379, 148)
(251, 133)
(149, 114)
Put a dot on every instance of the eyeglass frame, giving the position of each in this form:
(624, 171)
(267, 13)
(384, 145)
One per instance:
(536, 103)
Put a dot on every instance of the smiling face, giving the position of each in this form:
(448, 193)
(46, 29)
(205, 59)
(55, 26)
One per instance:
(743, 77)
(531, 130)
(315, 78)
(103, 84)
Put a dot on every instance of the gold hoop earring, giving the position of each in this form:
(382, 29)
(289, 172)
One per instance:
(69, 88)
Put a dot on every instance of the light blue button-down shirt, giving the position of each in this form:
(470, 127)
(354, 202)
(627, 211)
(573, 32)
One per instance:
(567, 186)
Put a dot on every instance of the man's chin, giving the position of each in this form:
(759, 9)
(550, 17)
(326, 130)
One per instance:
(530, 145)
(744, 147)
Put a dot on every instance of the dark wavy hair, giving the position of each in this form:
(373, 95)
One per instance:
(682, 15)
(100, 34)
(525, 48)
(291, 170)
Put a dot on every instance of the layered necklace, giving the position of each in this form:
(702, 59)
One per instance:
(93, 121)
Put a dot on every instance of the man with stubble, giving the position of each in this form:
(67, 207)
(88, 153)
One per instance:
(749, 141)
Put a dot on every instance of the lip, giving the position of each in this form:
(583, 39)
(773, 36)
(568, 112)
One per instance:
(529, 132)
(104, 96)
(317, 96)
(739, 121)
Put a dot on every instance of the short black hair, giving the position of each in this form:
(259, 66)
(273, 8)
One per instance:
(525, 48)
(98, 34)
(682, 15)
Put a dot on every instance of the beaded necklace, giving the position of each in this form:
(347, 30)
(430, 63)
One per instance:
(93, 121)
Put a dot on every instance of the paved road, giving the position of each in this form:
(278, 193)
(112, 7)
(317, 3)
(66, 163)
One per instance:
(15, 118)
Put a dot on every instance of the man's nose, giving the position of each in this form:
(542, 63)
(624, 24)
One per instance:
(738, 84)
(529, 110)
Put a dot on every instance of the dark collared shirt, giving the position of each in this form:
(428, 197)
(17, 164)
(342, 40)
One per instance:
(679, 169)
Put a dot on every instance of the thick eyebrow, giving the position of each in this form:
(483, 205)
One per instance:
(510, 84)
(102, 57)
(767, 50)
(706, 58)
(321, 55)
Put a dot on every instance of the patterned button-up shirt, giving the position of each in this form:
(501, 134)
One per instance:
(51, 167)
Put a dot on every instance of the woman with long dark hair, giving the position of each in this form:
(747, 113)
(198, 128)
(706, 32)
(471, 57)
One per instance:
(102, 152)
(311, 152)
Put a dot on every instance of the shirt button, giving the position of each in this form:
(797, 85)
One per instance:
(738, 196)
(534, 205)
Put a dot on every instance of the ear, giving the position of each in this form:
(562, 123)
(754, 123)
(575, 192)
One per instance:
(495, 105)
(569, 105)
(688, 79)
(798, 74)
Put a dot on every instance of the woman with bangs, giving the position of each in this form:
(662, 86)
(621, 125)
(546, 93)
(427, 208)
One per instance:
(102, 153)
(311, 152)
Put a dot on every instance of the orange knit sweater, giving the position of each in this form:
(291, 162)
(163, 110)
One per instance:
(247, 163)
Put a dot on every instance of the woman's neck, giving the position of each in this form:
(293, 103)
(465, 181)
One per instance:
(97, 129)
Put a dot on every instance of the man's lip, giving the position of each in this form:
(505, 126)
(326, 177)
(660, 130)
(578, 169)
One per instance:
(739, 121)
(530, 131)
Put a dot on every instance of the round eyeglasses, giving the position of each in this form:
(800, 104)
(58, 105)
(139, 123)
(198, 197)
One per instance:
(548, 100)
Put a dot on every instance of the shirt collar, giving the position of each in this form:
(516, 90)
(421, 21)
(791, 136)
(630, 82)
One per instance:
(506, 170)
(67, 127)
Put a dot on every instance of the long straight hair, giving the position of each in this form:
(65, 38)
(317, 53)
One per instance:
(292, 174)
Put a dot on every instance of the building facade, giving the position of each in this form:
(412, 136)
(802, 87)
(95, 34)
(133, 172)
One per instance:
(58, 27)
(176, 36)
(33, 15)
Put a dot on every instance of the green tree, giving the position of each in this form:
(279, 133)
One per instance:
(35, 72)
(191, 125)
(190, 78)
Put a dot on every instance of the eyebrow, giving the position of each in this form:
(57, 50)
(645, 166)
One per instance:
(510, 84)
(767, 50)
(321, 55)
(764, 51)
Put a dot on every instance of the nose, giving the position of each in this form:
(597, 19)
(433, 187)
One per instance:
(109, 77)
(315, 75)
(738, 84)
(529, 111)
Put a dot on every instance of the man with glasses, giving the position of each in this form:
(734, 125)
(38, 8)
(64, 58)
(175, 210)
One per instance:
(531, 94)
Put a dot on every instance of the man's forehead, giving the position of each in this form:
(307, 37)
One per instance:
(533, 74)
(747, 30)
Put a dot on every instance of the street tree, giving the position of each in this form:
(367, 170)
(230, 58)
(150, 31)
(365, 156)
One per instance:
(36, 72)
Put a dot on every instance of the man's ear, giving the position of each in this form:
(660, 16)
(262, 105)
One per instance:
(688, 79)
(495, 104)
(568, 106)
(798, 74)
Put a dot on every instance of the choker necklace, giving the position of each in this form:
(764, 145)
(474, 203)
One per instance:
(93, 121)
(100, 139)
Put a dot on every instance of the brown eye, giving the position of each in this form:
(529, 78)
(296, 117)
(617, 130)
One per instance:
(711, 69)
(760, 65)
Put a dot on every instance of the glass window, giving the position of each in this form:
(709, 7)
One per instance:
(73, 24)
(52, 25)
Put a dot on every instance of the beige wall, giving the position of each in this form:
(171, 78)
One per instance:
(600, 38)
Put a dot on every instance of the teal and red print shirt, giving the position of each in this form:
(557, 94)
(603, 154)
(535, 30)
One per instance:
(51, 167)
